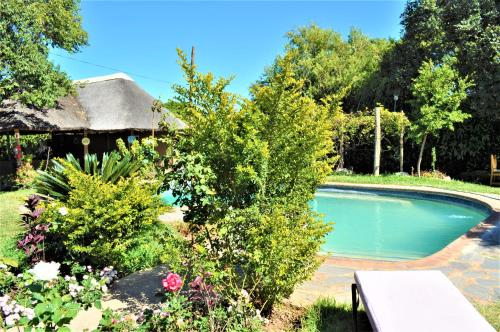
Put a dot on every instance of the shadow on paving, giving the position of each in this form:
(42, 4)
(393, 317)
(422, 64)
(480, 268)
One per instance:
(140, 290)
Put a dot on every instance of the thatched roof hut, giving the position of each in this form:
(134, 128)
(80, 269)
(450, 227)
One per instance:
(102, 110)
(102, 104)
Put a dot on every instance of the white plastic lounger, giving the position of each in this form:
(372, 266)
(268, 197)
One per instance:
(414, 301)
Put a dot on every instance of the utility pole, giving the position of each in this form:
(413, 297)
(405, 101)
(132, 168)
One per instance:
(192, 57)
(376, 157)
(191, 74)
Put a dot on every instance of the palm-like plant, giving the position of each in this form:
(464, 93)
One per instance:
(54, 182)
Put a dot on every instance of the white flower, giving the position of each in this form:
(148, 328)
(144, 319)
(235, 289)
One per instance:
(67, 278)
(4, 299)
(104, 288)
(12, 319)
(30, 313)
(45, 271)
(244, 293)
(3, 266)
(63, 211)
(7, 309)
(85, 277)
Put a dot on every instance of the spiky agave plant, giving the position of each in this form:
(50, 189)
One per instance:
(54, 181)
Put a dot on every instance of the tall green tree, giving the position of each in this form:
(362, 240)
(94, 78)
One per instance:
(438, 92)
(28, 30)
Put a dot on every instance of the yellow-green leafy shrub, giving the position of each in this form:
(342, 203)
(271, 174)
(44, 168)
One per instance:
(100, 221)
(25, 175)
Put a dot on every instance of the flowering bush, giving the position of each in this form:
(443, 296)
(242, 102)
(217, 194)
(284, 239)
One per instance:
(42, 298)
(198, 307)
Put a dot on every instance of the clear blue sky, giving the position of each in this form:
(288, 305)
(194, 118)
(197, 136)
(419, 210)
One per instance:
(231, 38)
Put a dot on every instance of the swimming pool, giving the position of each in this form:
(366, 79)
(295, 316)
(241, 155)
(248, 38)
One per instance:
(392, 225)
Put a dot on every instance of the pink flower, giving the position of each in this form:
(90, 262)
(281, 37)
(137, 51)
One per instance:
(172, 283)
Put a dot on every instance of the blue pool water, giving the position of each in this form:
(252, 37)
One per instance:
(392, 226)
(167, 197)
(389, 225)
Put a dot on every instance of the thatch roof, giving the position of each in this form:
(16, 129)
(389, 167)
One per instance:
(101, 104)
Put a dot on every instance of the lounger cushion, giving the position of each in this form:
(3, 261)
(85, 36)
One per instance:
(416, 301)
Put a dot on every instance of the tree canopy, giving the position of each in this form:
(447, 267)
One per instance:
(28, 30)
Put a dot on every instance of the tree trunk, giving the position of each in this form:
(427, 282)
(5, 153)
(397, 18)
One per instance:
(401, 149)
(376, 156)
(421, 154)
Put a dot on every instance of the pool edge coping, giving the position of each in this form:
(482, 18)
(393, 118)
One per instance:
(450, 252)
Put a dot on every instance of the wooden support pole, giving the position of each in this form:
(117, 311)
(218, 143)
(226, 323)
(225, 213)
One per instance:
(19, 154)
(85, 146)
(376, 157)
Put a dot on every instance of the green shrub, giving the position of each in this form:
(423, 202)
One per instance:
(100, 221)
(247, 169)
(157, 245)
(272, 248)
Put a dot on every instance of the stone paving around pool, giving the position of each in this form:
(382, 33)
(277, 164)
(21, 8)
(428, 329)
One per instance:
(475, 272)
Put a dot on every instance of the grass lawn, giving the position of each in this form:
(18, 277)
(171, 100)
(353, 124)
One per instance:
(415, 181)
(10, 221)
(491, 312)
(327, 315)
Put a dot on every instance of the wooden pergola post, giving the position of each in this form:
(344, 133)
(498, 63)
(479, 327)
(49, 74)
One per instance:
(376, 159)
(19, 154)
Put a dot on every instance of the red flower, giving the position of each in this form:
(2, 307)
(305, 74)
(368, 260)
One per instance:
(172, 283)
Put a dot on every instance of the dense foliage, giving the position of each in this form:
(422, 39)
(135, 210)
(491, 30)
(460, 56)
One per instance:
(28, 30)
(247, 169)
(357, 73)
(469, 30)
